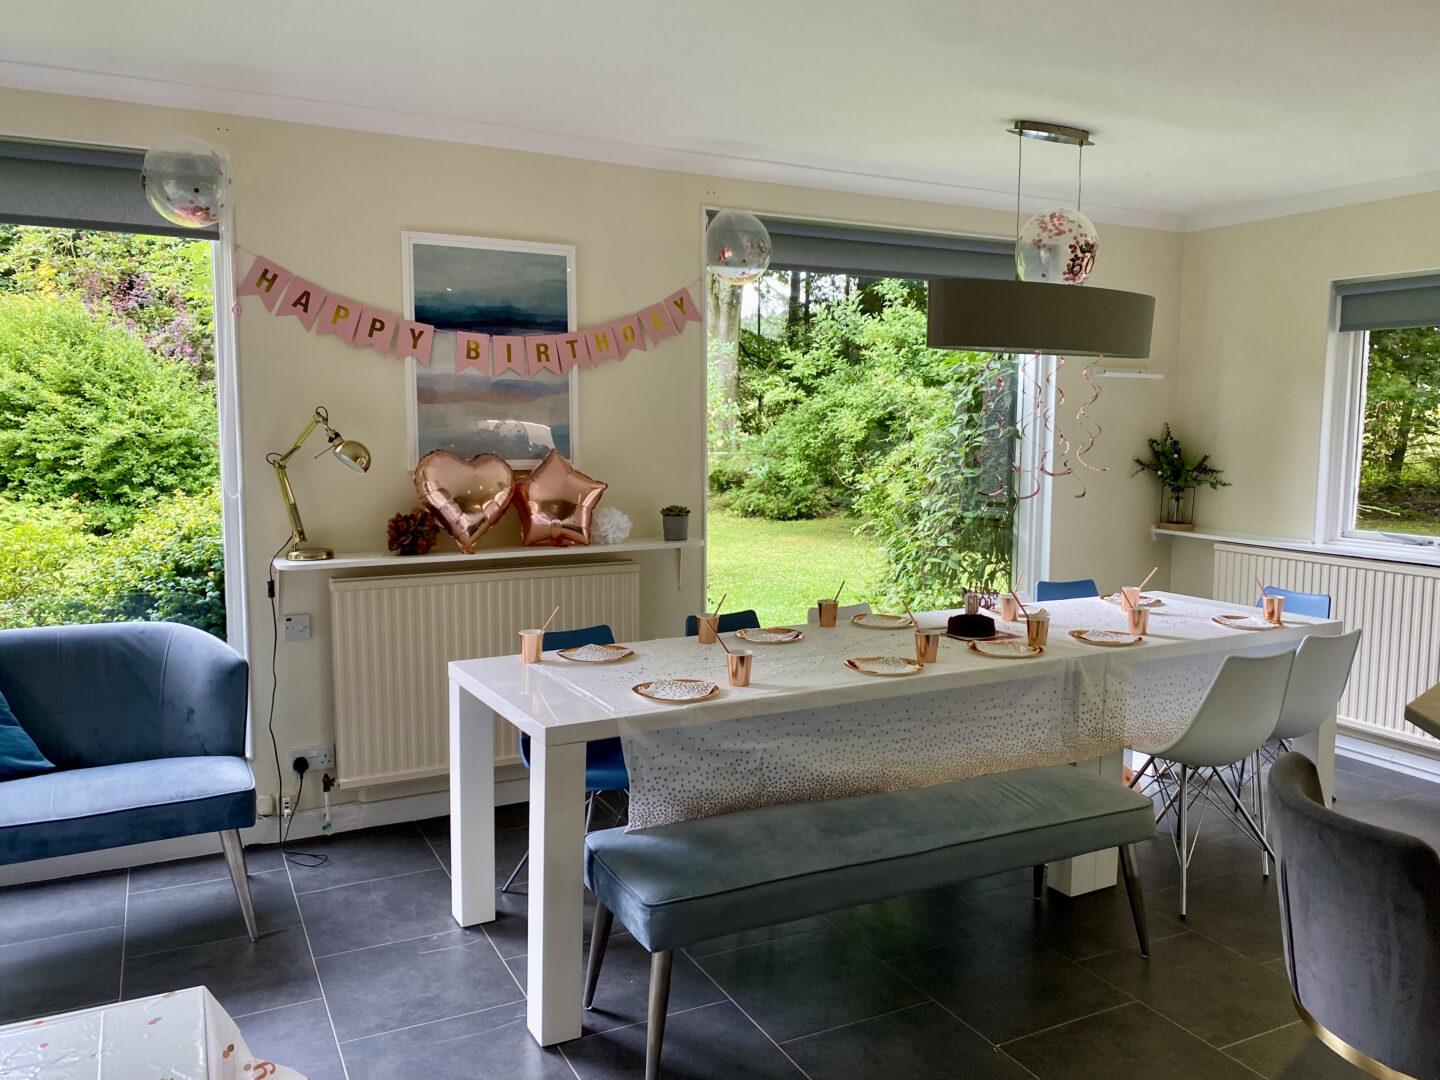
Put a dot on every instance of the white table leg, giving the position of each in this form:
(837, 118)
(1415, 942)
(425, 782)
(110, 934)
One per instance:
(557, 890)
(472, 809)
(1087, 873)
(1319, 747)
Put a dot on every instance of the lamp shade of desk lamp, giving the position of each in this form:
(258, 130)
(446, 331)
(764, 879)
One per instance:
(353, 454)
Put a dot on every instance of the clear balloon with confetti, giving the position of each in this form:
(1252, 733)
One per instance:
(737, 246)
(186, 181)
(1056, 246)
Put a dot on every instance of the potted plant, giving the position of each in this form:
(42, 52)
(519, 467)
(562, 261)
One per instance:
(1179, 476)
(676, 520)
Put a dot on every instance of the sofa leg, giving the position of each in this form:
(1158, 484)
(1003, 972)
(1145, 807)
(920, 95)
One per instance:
(599, 938)
(659, 1003)
(1039, 873)
(235, 860)
(1130, 871)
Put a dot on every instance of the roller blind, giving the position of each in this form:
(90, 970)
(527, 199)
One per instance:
(1388, 305)
(79, 187)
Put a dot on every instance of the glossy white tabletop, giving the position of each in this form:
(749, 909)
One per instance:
(559, 701)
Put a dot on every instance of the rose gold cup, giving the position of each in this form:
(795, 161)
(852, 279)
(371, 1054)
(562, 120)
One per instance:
(1009, 609)
(532, 643)
(927, 646)
(1139, 620)
(1274, 609)
(738, 661)
(828, 610)
(709, 628)
(1037, 628)
(1129, 597)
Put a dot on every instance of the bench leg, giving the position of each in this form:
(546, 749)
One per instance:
(599, 939)
(1130, 871)
(1040, 882)
(235, 860)
(659, 1002)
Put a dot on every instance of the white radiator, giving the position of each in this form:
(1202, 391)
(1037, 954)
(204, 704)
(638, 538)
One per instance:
(393, 636)
(1397, 605)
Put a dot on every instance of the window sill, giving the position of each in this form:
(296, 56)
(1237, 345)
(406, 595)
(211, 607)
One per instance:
(1377, 550)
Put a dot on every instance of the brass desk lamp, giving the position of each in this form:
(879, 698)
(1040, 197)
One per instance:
(352, 453)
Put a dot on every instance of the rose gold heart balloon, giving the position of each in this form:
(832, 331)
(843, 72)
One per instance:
(555, 503)
(466, 496)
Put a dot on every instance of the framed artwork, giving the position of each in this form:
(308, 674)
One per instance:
(497, 287)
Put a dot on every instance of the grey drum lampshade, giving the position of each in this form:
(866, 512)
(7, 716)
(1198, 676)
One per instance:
(990, 315)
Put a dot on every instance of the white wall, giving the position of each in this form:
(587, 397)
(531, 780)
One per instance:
(330, 205)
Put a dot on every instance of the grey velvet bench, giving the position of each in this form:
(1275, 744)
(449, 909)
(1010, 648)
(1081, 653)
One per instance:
(677, 885)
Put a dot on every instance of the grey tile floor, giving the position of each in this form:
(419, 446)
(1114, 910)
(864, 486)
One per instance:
(360, 974)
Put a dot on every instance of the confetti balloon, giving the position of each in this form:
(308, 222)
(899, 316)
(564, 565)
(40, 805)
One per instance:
(185, 180)
(737, 246)
(1058, 246)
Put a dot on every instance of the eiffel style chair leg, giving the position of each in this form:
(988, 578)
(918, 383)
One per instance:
(1184, 837)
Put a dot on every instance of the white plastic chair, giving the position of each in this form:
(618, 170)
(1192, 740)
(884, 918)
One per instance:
(842, 614)
(1238, 715)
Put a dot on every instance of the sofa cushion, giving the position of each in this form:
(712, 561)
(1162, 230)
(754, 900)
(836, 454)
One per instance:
(73, 810)
(19, 756)
(674, 885)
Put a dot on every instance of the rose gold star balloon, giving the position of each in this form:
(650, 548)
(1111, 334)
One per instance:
(555, 503)
(467, 496)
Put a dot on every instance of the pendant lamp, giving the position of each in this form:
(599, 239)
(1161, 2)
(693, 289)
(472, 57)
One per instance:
(1047, 316)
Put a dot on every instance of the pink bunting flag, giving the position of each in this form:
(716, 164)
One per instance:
(338, 316)
(302, 299)
(656, 320)
(376, 330)
(508, 354)
(415, 339)
(572, 351)
(629, 336)
(682, 309)
(266, 280)
(472, 351)
(600, 343)
(542, 354)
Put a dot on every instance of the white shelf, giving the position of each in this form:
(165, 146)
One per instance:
(1125, 373)
(389, 560)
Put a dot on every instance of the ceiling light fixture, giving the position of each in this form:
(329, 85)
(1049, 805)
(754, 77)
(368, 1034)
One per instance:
(1015, 315)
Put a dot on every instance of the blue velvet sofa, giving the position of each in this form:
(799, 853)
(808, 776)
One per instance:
(145, 724)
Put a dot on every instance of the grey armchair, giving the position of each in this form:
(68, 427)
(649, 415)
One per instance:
(1360, 911)
(145, 723)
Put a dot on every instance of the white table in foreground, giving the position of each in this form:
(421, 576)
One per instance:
(560, 715)
(184, 1033)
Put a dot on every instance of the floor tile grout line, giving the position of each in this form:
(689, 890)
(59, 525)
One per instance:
(1258, 1035)
(853, 1023)
(273, 1008)
(1067, 1023)
(367, 881)
(124, 931)
(566, 1058)
(383, 944)
(69, 933)
(768, 941)
(436, 1020)
(324, 1000)
(202, 881)
(750, 1018)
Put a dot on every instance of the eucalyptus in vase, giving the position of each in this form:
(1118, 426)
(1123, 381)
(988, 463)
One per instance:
(1179, 478)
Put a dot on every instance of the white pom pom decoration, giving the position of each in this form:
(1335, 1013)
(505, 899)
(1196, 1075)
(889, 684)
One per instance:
(609, 526)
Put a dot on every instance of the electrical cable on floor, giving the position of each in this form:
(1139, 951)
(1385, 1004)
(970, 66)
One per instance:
(282, 830)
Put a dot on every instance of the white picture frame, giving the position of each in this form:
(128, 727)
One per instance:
(501, 301)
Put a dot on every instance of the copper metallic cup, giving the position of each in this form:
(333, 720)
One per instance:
(1129, 597)
(1009, 609)
(1139, 621)
(532, 643)
(927, 646)
(709, 626)
(738, 661)
(828, 610)
(1274, 609)
(1037, 629)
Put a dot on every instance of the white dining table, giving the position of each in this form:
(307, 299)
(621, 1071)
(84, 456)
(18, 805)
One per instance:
(561, 706)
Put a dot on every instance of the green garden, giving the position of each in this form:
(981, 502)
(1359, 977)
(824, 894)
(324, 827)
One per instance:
(1400, 448)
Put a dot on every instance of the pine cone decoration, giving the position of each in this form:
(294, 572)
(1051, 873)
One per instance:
(413, 533)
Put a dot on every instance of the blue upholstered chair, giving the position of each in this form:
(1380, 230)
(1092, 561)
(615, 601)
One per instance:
(729, 622)
(604, 758)
(1065, 590)
(1316, 605)
(145, 724)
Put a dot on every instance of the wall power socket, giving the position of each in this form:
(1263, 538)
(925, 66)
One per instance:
(316, 757)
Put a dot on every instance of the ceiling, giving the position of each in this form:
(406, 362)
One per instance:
(1203, 111)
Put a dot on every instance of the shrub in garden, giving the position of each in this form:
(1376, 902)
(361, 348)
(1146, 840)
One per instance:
(41, 551)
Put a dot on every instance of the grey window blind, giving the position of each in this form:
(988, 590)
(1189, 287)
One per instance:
(79, 187)
(864, 252)
(1388, 305)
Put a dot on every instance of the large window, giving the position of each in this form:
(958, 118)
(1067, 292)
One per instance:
(1387, 485)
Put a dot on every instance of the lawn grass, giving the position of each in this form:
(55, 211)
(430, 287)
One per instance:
(780, 568)
(1385, 523)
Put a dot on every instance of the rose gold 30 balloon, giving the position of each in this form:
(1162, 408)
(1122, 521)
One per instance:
(555, 503)
(466, 496)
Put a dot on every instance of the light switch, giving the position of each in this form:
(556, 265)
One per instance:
(297, 627)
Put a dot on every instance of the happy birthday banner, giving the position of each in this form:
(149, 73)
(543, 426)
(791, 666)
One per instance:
(285, 294)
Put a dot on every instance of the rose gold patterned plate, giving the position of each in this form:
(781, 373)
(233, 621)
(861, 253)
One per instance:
(872, 620)
(770, 635)
(1245, 622)
(1146, 600)
(1007, 650)
(1113, 639)
(884, 665)
(677, 691)
(596, 654)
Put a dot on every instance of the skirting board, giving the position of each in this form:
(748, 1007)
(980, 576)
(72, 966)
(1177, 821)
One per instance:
(306, 825)
(1387, 754)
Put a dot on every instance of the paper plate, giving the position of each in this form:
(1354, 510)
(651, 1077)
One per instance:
(596, 654)
(1007, 650)
(1109, 638)
(1246, 622)
(677, 691)
(770, 635)
(875, 621)
(1146, 600)
(884, 665)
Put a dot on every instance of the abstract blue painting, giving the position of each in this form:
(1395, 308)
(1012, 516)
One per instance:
(489, 287)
